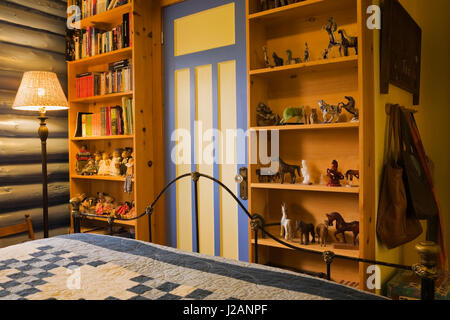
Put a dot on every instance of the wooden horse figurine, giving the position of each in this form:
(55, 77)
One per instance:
(291, 169)
(322, 233)
(342, 226)
(347, 42)
(305, 230)
(287, 229)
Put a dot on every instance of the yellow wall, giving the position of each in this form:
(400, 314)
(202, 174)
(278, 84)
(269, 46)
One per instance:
(433, 117)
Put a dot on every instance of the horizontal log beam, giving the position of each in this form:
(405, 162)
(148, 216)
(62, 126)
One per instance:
(19, 197)
(32, 173)
(27, 150)
(27, 126)
(46, 6)
(13, 14)
(17, 34)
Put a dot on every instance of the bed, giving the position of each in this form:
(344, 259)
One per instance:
(95, 267)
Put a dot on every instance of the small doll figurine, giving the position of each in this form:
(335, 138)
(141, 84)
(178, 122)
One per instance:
(334, 175)
(83, 157)
(126, 155)
(115, 163)
(105, 165)
(128, 187)
(89, 169)
(97, 159)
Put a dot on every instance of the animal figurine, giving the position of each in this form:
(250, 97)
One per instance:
(305, 173)
(83, 156)
(322, 233)
(306, 229)
(287, 168)
(330, 110)
(269, 177)
(290, 59)
(292, 112)
(350, 107)
(347, 42)
(306, 55)
(287, 231)
(342, 226)
(265, 117)
(331, 28)
(325, 54)
(335, 175)
(314, 117)
(277, 60)
(266, 58)
(350, 175)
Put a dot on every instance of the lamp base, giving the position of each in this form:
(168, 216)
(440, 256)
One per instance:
(43, 135)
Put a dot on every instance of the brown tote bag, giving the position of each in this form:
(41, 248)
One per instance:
(394, 226)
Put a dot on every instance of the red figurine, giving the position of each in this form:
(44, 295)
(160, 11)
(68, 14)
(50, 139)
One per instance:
(335, 175)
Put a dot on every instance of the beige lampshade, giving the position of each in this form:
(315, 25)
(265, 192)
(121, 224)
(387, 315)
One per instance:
(40, 91)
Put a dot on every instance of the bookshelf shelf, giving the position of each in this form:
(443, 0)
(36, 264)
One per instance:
(301, 187)
(99, 178)
(324, 126)
(122, 137)
(103, 98)
(103, 58)
(107, 19)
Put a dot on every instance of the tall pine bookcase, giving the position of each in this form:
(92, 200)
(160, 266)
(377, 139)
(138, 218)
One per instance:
(145, 55)
(351, 144)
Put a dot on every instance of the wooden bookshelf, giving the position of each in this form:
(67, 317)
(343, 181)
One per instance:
(147, 138)
(351, 144)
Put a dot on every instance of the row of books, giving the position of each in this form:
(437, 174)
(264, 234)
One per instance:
(90, 8)
(110, 121)
(91, 41)
(117, 79)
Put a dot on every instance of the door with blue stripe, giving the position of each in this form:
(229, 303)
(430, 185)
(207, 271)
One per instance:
(205, 123)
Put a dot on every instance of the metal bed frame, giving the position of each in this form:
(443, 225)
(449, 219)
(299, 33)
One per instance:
(428, 251)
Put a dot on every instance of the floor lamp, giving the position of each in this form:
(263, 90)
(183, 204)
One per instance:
(40, 92)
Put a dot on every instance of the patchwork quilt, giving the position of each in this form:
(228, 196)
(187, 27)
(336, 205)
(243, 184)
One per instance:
(94, 267)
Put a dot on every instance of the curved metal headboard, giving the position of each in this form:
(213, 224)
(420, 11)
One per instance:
(426, 270)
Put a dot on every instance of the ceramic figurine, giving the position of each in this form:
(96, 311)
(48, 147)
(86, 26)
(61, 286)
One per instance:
(331, 28)
(83, 156)
(265, 117)
(115, 163)
(292, 112)
(305, 173)
(350, 175)
(306, 229)
(292, 60)
(126, 155)
(314, 117)
(287, 230)
(342, 226)
(89, 169)
(287, 168)
(347, 42)
(105, 165)
(322, 233)
(306, 58)
(266, 57)
(277, 60)
(333, 111)
(268, 178)
(350, 107)
(97, 159)
(335, 175)
(128, 186)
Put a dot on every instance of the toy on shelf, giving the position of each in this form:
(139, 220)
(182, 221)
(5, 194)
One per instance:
(89, 169)
(97, 159)
(314, 117)
(331, 28)
(123, 209)
(322, 233)
(290, 59)
(291, 169)
(342, 226)
(347, 42)
(128, 186)
(104, 165)
(277, 60)
(306, 229)
(305, 173)
(350, 107)
(350, 175)
(330, 110)
(292, 112)
(266, 58)
(265, 116)
(126, 155)
(114, 169)
(287, 228)
(105, 204)
(83, 156)
(268, 176)
(306, 55)
(335, 175)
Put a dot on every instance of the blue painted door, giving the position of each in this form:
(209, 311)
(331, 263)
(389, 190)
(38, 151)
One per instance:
(206, 122)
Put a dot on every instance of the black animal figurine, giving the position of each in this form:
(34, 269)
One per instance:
(306, 57)
(322, 233)
(268, 178)
(306, 229)
(265, 117)
(347, 42)
(342, 226)
(287, 168)
(277, 60)
(350, 107)
(331, 28)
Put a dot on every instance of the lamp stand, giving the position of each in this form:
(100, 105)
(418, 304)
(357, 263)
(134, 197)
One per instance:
(43, 134)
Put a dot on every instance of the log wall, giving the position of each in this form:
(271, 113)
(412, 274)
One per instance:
(32, 37)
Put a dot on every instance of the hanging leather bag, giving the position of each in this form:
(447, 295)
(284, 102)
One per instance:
(421, 200)
(394, 225)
